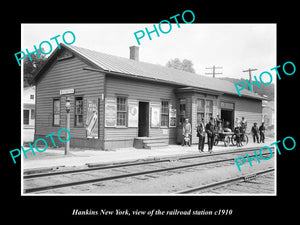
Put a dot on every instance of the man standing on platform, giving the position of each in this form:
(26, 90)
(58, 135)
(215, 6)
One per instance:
(254, 131)
(210, 130)
(201, 135)
(262, 132)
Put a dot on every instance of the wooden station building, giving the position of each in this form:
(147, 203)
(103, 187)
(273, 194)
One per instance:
(122, 102)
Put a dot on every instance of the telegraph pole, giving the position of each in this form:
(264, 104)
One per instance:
(250, 75)
(214, 70)
(249, 70)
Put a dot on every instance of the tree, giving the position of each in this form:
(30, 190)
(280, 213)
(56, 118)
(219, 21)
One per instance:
(31, 67)
(185, 65)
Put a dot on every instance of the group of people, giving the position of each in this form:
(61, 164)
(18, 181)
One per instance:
(258, 130)
(239, 130)
(209, 128)
(214, 126)
(258, 133)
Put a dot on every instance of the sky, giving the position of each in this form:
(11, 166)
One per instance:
(234, 47)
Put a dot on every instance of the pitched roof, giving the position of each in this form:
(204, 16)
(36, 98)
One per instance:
(128, 66)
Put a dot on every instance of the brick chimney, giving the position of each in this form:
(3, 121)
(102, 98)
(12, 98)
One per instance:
(134, 53)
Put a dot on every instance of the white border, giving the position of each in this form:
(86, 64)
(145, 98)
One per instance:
(180, 195)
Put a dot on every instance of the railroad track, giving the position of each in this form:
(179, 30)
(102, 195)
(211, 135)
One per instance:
(211, 187)
(32, 174)
(54, 180)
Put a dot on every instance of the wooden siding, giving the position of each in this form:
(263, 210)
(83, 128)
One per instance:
(67, 74)
(138, 90)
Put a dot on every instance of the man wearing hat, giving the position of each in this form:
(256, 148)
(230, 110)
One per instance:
(201, 135)
(210, 130)
(262, 132)
(254, 131)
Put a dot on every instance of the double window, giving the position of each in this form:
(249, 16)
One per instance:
(204, 110)
(78, 112)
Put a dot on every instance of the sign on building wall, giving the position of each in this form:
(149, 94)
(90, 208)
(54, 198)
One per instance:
(227, 105)
(110, 112)
(67, 91)
(172, 117)
(155, 116)
(133, 113)
(92, 118)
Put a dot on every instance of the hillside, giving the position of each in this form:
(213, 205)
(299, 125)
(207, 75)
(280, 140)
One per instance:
(268, 90)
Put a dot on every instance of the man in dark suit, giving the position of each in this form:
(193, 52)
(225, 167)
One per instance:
(262, 132)
(210, 130)
(254, 131)
(201, 135)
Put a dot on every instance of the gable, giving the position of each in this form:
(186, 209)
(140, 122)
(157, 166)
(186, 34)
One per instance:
(60, 57)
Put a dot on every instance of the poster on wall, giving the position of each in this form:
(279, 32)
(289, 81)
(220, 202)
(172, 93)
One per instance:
(110, 112)
(92, 118)
(133, 113)
(155, 116)
(172, 117)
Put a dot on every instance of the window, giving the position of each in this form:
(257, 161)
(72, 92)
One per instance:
(25, 116)
(78, 112)
(165, 113)
(56, 112)
(182, 111)
(200, 110)
(31, 96)
(208, 109)
(121, 111)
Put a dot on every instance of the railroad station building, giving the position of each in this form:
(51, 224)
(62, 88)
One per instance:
(123, 102)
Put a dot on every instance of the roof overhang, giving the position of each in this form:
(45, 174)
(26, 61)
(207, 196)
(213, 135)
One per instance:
(198, 90)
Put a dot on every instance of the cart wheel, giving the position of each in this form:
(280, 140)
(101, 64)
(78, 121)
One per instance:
(226, 141)
(233, 139)
(245, 140)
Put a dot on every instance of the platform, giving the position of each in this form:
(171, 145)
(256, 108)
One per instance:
(55, 158)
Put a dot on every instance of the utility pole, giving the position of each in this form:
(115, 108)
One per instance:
(214, 70)
(250, 75)
(249, 70)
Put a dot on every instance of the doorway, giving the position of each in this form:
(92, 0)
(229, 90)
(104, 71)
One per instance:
(228, 116)
(143, 127)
